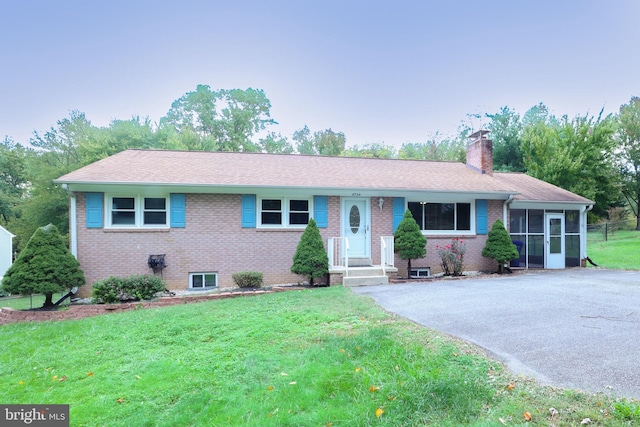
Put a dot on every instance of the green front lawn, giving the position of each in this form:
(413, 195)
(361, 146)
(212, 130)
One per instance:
(322, 357)
(620, 251)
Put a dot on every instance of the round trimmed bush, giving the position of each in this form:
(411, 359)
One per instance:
(132, 288)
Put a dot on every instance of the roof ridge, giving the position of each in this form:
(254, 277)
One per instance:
(247, 153)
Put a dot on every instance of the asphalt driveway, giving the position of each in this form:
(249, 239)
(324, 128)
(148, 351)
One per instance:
(575, 328)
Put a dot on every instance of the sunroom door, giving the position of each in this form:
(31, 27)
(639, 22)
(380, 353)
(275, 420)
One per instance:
(554, 241)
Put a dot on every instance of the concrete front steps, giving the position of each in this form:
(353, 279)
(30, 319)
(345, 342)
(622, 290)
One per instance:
(366, 276)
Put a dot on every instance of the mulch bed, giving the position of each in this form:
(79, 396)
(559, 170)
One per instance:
(79, 311)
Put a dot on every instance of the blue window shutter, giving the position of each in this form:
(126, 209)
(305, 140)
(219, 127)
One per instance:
(248, 211)
(178, 211)
(482, 217)
(321, 211)
(398, 211)
(93, 209)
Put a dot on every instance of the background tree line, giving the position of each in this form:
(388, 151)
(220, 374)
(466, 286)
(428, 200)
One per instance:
(596, 157)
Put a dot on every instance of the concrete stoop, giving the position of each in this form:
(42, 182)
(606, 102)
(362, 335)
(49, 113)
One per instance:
(365, 276)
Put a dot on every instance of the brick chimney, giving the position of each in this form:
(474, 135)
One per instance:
(480, 152)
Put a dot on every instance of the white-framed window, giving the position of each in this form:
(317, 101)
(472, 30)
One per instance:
(443, 218)
(203, 280)
(129, 211)
(284, 212)
(154, 211)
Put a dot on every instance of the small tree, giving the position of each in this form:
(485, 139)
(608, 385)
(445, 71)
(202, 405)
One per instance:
(499, 246)
(45, 266)
(409, 242)
(311, 258)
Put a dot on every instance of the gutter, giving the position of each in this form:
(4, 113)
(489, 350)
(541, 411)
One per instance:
(73, 222)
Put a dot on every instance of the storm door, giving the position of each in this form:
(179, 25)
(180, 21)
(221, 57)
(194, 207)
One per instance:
(554, 241)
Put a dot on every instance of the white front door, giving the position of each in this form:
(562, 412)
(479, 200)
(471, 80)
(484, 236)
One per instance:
(554, 241)
(356, 226)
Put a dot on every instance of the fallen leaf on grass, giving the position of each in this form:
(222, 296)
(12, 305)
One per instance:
(21, 383)
(358, 369)
(373, 388)
(89, 374)
(64, 378)
(55, 377)
(270, 388)
(392, 398)
(504, 423)
(379, 412)
(527, 416)
(511, 386)
(120, 400)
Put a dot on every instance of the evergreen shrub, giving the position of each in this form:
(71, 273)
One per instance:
(409, 242)
(133, 288)
(144, 286)
(247, 279)
(107, 291)
(45, 266)
(499, 246)
(311, 258)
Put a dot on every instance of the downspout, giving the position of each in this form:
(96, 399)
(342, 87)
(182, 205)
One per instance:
(505, 207)
(73, 226)
(583, 232)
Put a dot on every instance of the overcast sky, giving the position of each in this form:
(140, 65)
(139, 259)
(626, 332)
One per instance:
(381, 72)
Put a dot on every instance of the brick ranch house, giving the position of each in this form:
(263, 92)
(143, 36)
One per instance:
(198, 217)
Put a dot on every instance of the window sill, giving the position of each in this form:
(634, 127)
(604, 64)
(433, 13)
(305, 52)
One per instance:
(271, 229)
(136, 230)
(451, 235)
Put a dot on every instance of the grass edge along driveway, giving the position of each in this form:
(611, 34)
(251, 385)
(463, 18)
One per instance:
(321, 357)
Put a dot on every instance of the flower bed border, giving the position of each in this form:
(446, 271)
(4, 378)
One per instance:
(80, 311)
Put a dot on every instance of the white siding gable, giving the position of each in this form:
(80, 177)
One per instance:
(6, 250)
